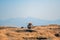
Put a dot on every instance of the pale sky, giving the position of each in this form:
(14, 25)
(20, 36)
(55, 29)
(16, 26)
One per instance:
(41, 9)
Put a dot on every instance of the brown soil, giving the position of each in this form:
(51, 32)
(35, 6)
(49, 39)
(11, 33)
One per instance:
(47, 32)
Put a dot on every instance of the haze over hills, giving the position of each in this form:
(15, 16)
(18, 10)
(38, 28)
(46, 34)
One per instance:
(38, 12)
(25, 21)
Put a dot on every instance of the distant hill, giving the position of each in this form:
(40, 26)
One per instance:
(25, 21)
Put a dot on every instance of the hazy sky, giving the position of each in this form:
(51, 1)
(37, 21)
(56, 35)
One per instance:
(41, 9)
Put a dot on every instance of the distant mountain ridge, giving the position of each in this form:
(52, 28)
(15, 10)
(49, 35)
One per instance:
(25, 21)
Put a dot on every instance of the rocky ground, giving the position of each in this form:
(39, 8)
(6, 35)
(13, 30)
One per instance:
(47, 32)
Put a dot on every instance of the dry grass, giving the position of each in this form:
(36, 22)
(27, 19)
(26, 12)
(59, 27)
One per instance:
(48, 32)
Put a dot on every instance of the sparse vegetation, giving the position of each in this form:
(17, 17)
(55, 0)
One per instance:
(34, 33)
(57, 35)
